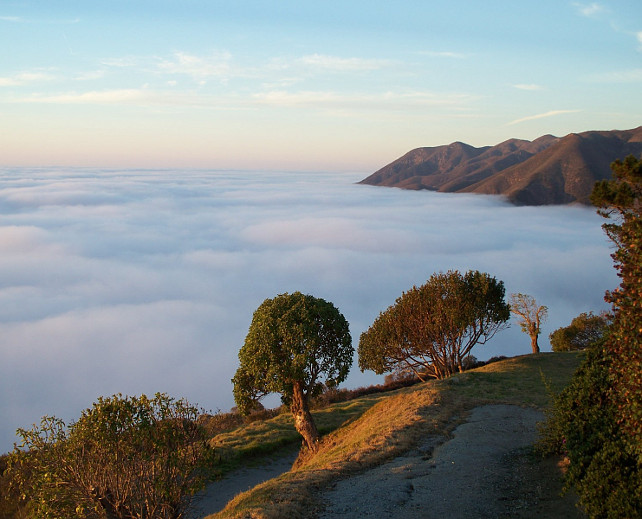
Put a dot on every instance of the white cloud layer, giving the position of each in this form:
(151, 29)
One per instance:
(145, 281)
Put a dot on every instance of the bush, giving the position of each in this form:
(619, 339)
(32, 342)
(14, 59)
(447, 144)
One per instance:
(582, 426)
(124, 458)
(584, 330)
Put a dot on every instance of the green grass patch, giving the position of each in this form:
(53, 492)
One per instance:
(523, 380)
(250, 443)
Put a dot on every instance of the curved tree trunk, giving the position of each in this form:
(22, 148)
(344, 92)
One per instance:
(303, 421)
(534, 344)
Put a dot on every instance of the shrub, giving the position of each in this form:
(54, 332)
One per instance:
(584, 330)
(125, 458)
(582, 426)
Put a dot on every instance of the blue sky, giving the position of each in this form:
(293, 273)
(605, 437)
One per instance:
(332, 85)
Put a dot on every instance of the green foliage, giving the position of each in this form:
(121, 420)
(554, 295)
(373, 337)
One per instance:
(126, 457)
(293, 337)
(431, 329)
(296, 343)
(620, 200)
(582, 425)
(584, 330)
(597, 421)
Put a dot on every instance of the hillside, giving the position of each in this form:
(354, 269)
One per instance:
(393, 426)
(548, 170)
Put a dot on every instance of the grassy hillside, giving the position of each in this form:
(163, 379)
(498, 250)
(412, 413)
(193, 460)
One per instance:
(370, 430)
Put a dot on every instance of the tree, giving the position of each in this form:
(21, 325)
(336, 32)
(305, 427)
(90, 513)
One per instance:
(597, 420)
(125, 458)
(620, 201)
(431, 329)
(294, 345)
(584, 330)
(530, 314)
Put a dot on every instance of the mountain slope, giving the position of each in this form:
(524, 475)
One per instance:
(548, 170)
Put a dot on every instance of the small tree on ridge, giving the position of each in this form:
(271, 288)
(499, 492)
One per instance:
(531, 316)
(585, 329)
(432, 328)
(293, 342)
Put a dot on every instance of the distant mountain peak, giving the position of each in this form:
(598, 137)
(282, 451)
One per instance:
(548, 170)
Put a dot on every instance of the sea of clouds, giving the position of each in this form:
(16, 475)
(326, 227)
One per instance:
(138, 281)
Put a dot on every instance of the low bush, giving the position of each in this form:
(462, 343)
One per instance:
(582, 427)
(584, 330)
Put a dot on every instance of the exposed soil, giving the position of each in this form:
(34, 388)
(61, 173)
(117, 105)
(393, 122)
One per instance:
(486, 470)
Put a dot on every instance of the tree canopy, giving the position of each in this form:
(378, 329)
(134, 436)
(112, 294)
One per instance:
(296, 343)
(431, 329)
(125, 458)
(530, 316)
(584, 330)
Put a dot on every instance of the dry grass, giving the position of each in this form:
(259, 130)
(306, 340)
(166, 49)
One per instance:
(260, 438)
(391, 425)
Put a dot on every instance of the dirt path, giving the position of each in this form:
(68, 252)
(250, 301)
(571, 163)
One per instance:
(482, 472)
(217, 494)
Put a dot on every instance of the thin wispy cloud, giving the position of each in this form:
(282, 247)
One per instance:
(200, 69)
(552, 113)
(528, 86)
(443, 54)
(382, 101)
(121, 96)
(46, 21)
(339, 64)
(633, 75)
(121, 62)
(90, 76)
(589, 10)
(24, 78)
(138, 97)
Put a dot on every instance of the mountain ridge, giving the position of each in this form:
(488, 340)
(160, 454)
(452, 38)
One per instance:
(546, 171)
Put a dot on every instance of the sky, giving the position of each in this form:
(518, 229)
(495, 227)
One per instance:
(302, 85)
(145, 281)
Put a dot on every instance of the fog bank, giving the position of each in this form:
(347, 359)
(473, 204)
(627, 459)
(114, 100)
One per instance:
(143, 281)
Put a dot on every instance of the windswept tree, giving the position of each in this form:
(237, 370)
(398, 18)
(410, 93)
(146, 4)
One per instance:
(296, 343)
(431, 329)
(125, 458)
(530, 316)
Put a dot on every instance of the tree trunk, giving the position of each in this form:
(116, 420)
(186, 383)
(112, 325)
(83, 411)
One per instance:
(534, 344)
(303, 421)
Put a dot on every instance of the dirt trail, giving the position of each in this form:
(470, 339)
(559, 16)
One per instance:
(482, 472)
(217, 494)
